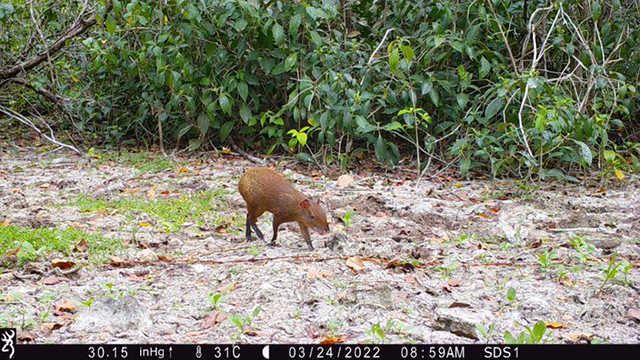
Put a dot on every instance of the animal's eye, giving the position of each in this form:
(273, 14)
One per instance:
(311, 217)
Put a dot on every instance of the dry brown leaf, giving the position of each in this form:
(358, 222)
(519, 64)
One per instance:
(317, 274)
(330, 340)
(25, 337)
(165, 258)
(62, 264)
(117, 261)
(344, 181)
(229, 287)
(81, 246)
(66, 306)
(45, 186)
(165, 192)
(225, 151)
(494, 210)
(213, 319)
(456, 304)
(184, 170)
(483, 215)
(52, 280)
(555, 325)
(222, 228)
(51, 326)
(634, 313)
(355, 263)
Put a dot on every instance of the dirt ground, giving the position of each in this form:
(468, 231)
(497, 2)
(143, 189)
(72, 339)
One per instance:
(427, 263)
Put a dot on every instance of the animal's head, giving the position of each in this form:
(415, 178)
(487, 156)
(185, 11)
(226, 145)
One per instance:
(313, 216)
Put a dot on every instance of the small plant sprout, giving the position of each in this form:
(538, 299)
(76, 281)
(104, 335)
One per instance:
(244, 323)
(529, 336)
(511, 295)
(348, 216)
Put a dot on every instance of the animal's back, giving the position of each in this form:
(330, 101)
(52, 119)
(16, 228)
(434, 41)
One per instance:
(262, 189)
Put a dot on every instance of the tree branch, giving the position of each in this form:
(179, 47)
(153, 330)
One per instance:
(74, 31)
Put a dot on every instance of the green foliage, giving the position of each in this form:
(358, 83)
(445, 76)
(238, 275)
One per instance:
(457, 81)
(170, 213)
(529, 336)
(34, 244)
(347, 218)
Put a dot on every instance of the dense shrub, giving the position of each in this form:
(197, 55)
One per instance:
(503, 87)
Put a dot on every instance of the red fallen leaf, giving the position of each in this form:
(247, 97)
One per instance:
(552, 226)
(213, 319)
(494, 210)
(165, 192)
(330, 340)
(66, 306)
(454, 282)
(62, 264)
(479, 246)
(634, 313)
(52, 280)
(456, 304)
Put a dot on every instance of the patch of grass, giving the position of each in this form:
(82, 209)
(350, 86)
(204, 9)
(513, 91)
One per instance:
(36, 243)
(170, 213)
(142, 161)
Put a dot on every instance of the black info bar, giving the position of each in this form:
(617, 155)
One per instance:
(338, 351)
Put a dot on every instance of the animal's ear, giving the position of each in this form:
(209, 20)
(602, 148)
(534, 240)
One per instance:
(305, 204)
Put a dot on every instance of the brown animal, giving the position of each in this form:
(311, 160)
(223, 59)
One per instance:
(263, 189)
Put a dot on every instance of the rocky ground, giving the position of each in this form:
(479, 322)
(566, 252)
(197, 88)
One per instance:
(430, 263)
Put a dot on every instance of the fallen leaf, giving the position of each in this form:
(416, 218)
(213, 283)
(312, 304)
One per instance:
(66, 306)
(45, 186)
(494, 210)
(401, 265)
(317, 274)
(6, 223)
(458, 185)
(251, 333)
(344, 181)
(117, 261)
(81, 246)
(619, 174)
(483, 215)
(577, 337)
(184, 170)
(151, 193)
(634, 313)
(52, 280)
(145, 224)
(165, 192)
(454, 282)
(227, 288)
(355, 263)
(222, 228)
(456, 304)
(330, 340)
(62, 264)
(165, 258)
(555, 325)
(225, 151)
(411, 279)
(213, 319)
(25, 337)
(51, 326)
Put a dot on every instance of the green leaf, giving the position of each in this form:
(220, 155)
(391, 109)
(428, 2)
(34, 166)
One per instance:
(278, 33)
(438, 40)
(194, 144)
(508, 338)
(304, 157)
(203, 123)
(511, 294)
(408, 52)
(538, 331)
(462, 100)
(394, 60)
(465, 164)
(485, 67)
(585, 152)
(427, 86)
(493, 108)
(294, 24)
(290, 61)
(243, 90)
(225, 103)
(245, 113)
(225, 130)
(609, 155)
(433, 95)
(302, 138)
(111, 25)
(380, 148)
(596, 10)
